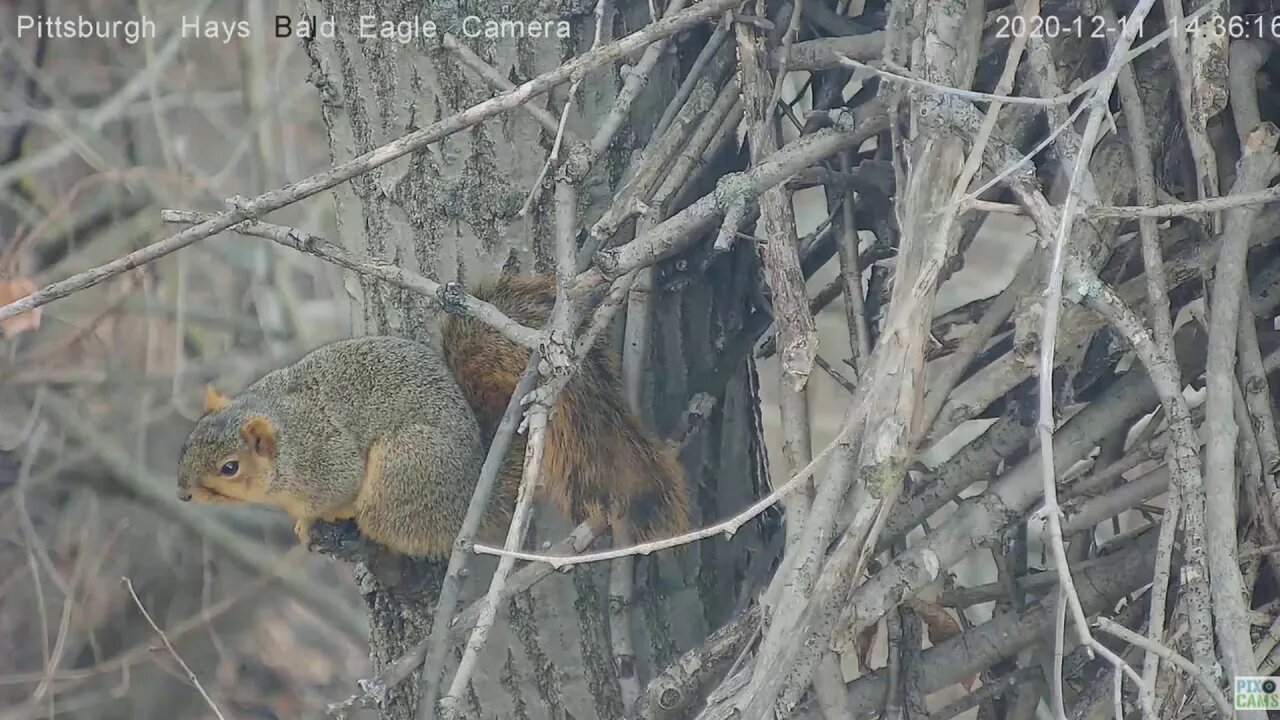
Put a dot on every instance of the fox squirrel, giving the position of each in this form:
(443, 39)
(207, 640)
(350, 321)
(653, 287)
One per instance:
(391, 433)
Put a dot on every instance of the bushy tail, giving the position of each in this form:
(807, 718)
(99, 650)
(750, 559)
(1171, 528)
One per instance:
(658, 503)
(601, 463)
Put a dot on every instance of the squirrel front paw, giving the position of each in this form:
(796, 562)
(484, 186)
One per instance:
(303, 530)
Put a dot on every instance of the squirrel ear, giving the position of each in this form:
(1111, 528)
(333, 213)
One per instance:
(260, 434)
(214, 400)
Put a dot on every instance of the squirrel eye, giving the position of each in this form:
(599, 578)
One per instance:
(229, 468)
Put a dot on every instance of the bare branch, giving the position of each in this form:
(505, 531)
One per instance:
(191, 676)
(245, 209)
(1256, 169)
(449, 296)
(438, 641)
(1166, 653)
(675, 233)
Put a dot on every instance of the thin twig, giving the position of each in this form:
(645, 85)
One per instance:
(634, 196)
(438, 642)
(496, 79)
(1023, 163)
(835, 374)
(451, 702)
(449, 296)
(1181, 209)
(958, 92)
(726, 527)
(191, 676)
(35, 440)
(1049, 331)
(1127, 635)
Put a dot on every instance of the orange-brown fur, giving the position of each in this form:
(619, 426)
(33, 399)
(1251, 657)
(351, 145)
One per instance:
(601, 463)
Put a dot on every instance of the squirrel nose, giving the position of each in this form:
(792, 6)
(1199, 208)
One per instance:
(184, 494)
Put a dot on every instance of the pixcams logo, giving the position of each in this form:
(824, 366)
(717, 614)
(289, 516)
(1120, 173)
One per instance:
(1257, 693)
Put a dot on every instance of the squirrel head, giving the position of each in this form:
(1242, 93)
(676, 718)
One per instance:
(230, 456)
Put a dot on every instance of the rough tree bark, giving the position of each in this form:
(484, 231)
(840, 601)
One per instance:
(451, 213)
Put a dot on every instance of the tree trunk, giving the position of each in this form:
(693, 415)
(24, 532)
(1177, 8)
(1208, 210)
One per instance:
(451, 213)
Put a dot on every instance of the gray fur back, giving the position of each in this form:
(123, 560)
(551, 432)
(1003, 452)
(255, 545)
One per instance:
(409, 382)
